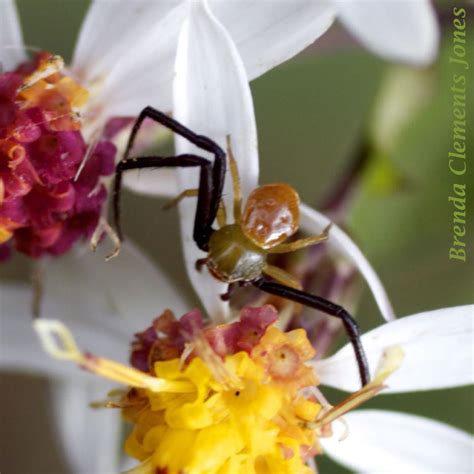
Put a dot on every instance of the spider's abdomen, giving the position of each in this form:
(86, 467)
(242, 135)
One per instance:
(271, 214)
(234, 257)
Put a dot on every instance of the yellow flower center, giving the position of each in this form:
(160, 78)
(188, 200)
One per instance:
(255, 426)
(229, 412)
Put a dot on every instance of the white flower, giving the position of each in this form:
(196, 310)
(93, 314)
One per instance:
(114, 58)
(437, 348)
(136, 69)
(265, 34)
(126, 49)
(127, 70)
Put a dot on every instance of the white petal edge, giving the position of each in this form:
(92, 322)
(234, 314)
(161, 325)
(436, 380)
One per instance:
(437, 348)
(102, 303)
(398, 30)
(314, 222)
(12, 51)
(90, 438)
(268, 33)
(389, 442)
(212, 97)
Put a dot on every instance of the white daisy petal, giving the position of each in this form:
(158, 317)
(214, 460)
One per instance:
(110, 33)
(398, 30)
(437, 347)
(271, 32)
(131, 69)
(314, 222)
(20, 349)
(212, 97)
(127, 288)
(389, 442)
(11, 40)
(135, 70)
(102, 303)
(75, 421)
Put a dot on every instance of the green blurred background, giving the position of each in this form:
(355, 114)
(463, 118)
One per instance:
(311, 115)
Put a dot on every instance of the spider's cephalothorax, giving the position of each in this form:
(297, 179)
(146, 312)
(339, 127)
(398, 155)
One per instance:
(238, 252)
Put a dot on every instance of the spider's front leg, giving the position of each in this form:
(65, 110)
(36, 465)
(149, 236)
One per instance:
(205, 143)
(211, 181)
(205, 214)
(327, 307)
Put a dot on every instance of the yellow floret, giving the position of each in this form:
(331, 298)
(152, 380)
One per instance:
(219, 428)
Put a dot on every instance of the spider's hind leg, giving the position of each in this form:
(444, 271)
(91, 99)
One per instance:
(327, 307)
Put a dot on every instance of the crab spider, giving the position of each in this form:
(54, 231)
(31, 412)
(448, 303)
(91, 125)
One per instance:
(237, 252)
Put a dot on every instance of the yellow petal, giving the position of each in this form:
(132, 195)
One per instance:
(192, 416)
(174, 450)
(214, 446)
(306, 409)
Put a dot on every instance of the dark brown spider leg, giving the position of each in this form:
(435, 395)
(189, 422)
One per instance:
(204, 211)
(219, 165)
(327, 307)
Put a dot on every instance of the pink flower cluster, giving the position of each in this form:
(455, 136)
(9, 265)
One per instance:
(43, 208)
(166, 338)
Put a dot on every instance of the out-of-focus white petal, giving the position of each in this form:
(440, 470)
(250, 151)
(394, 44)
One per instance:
(129, 287)
(437, 347)
(102, 303)
(90, 438)
(111, 32)
(267, 33)
(212, 97)
(11, 41)
(127, 49)
(314, 222)
(389, 442)
(20, 348)
(400, 30)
